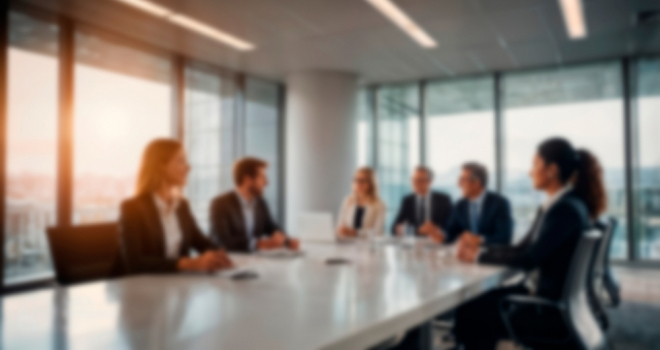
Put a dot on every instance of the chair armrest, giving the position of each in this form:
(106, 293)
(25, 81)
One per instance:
(529, 300)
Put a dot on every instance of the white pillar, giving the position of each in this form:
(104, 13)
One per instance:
(320, 142)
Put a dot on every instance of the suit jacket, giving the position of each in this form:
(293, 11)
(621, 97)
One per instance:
(228, 223)
(143, 240)
(495, 222)
(440, 210)
(549, 245)
(374, 216)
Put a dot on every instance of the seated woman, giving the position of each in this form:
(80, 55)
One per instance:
(362, 213)
(573, 182)
(157, 227)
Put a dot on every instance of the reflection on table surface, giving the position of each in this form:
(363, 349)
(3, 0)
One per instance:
(295, 303)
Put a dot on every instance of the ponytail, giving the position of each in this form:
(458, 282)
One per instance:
(588, 184)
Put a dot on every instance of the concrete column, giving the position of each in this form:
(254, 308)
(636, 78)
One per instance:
(320, 142)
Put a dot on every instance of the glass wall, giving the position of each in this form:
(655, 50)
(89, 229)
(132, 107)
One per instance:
(583, 104)
(262, 128)
(209, 125)
(31, 145)
(398, 142)
(365, 125)
(647, 144)
(460, 127)
(123, 100)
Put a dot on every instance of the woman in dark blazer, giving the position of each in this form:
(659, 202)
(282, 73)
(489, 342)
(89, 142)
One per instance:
(572, 180)
(157, 227)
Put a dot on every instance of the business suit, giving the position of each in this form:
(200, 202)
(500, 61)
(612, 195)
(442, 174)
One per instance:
(495, 223)
(440, 211)
(228, 226)
(547, 249)
(143, 240)
(373, 220)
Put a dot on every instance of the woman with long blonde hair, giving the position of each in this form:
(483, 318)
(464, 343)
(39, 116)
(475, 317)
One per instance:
(363, 212)
(157, 227)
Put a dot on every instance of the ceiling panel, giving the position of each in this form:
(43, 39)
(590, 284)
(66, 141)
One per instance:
(474, 36)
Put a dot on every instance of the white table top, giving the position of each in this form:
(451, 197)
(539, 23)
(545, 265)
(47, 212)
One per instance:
(299, 303)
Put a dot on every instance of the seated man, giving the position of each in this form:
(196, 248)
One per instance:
(240, 219)
(481, 215)
(426, 211)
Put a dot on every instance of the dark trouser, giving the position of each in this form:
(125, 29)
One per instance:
(478, 322)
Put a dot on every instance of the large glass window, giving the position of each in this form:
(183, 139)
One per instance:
(262, 123)
(209, 127)
(31, 145)
(647, 235)
(583, 104)
(123, 100)
(398, 142)
(460, 127)
(365, 124)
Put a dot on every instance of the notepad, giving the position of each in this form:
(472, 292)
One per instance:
(280, 253)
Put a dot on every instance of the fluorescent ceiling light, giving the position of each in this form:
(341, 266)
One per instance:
(396, 15)
(190, 24)
(574, 18)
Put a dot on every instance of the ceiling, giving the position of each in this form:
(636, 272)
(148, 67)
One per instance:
(474, 36)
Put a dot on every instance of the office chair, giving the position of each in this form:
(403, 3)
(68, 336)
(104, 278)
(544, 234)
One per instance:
(604, 289)
(85, 253)
(568, 323)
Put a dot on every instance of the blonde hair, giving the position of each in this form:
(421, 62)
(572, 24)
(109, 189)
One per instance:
(372, 193)
(152, 168)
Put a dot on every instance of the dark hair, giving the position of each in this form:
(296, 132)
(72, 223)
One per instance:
(428, 171)
(478, 171)
(579, 166)
(247, 167)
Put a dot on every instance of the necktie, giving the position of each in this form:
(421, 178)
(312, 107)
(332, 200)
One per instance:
(420, 211)
(474, 217)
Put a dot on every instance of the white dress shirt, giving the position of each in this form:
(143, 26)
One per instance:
(247, 207)
(373, 221)
(476, 204)
(426, 200)
(171, 227)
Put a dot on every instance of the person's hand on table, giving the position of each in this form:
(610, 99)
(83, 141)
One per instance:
(208, 262)
(432, 231)
(293, 244)
(399, 230)
(470, 239)
(468, 253)
(345, 231)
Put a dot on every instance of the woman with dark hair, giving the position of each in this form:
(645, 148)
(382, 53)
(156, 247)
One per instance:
(157, 227)
(573, 182)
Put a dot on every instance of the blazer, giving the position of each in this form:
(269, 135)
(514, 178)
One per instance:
(228, 223)
(549, 245)
(373, 220)
(143, 240)
(440, 210)
(495, 221)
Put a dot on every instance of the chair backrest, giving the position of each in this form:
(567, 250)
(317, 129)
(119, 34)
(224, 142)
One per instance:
(579, 313)
(86, 252)
(603, 255)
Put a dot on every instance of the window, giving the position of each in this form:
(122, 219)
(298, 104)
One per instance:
(460, 127)
(123, 100)
(31, 145)
(398, 142)
(262, 122)
(209, 126)
(647, 173)
(365, 123)
(583, 104)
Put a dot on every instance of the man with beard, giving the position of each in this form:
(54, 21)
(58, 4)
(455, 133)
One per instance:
(240, 219)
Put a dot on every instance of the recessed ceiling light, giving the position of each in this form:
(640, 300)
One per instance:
(573, 12)
(401, 19)
(190, 24)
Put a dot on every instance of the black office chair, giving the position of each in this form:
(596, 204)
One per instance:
(85, 253)
(565, 324)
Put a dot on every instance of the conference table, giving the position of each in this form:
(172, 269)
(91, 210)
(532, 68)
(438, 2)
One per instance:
(372, 291)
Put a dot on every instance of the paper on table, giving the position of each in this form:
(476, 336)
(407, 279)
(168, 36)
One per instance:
(230, 273)
(280, 253)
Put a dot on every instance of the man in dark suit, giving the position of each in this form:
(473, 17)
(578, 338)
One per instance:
(482, 215)
(426, 211)
(240, 219)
